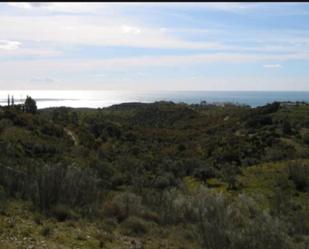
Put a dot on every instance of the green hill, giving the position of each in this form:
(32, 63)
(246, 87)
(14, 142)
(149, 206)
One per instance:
(157, 175)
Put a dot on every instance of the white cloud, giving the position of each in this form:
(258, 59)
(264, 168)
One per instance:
(229, 6)
(37, 52)
(42, 80)
(99, 75)
(273, 9)
(218, 83)
(60, 7)
(21, 5)
(72, 66)
(128, 29)
(60, 25)
(9, 45)
(119, 31)
(272, 66)
(100, 31)
(110, 29)
(141, 74)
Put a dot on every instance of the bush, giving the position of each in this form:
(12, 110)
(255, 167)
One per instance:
(50, 184)
(38, 219)
(108, 224)
(2, 198)
(104, 237)
(173, 207)
(150, 216)
(269, 108)
(135, 226)
(286, 127)
(279, 152)
(5, 123)
(46, 231)
(220, 223)
(62, 213)
(306, 138)
(259, 121)
(162, 182)
(204, 173)
(241, 225)
(299, 173)
(124, 205)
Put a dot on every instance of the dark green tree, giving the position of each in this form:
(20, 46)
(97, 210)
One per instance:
(30, 105)
(286, 127)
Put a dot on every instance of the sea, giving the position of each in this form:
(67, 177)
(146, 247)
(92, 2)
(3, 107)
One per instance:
(100, 99)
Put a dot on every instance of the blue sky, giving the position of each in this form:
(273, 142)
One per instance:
(154, 46)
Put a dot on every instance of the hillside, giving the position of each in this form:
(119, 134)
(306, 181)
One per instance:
(157, 175)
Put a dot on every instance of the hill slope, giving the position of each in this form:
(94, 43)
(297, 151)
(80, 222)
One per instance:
(158, 175)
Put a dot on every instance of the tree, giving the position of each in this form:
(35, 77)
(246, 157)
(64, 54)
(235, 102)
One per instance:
(306, 138)
(74, 117)
(286, 127)
(30, 105)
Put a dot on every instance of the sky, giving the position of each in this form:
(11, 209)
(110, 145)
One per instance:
(154, 46)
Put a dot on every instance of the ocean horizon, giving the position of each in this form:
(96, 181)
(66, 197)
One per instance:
(100, 99)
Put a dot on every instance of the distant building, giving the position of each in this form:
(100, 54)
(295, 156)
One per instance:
(203, 103)
(287, 103)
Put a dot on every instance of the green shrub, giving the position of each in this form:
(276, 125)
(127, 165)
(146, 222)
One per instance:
(306, 138)
(38, 219)
(81, 236)
(219, 223)
(104, 237)
(47, 185)
(46, 231)
(135, 226)
(162, 182)
(2, 198)
(204, 173)
(286, 127)
(108, 224)
(124, 205)
(62, 213)
(150, 216)
(238, 224)
(299, 174)
(5, 123)
(111, 210)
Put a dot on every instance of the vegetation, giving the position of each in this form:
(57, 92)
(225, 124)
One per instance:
(159, 175)
(30, 105)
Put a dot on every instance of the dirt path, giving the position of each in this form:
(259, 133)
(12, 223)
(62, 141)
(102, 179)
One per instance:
(71, 134)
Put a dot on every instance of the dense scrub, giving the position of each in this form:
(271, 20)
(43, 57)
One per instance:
(223, 177)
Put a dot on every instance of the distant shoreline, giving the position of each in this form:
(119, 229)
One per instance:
(100, 99)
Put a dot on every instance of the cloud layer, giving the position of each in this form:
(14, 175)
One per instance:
(72, 42)
(9, 45)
